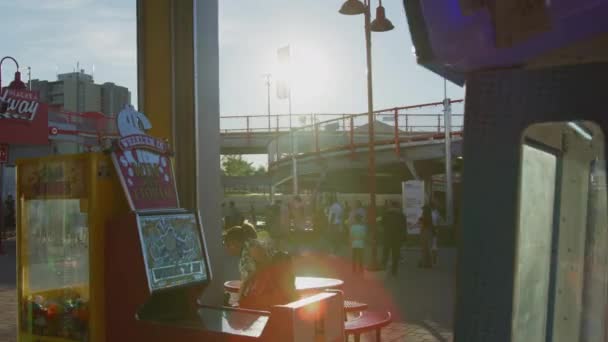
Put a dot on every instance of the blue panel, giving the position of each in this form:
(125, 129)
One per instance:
(450, 40)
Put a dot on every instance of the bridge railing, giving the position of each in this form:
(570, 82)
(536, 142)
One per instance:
(275, 123)
(349, 132)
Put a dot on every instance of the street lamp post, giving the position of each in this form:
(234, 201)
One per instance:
(16, 84)
(380, 24)
(267, 78)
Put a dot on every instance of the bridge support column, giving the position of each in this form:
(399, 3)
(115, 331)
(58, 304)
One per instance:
(411, 168)
(294, 161)
(271, 193)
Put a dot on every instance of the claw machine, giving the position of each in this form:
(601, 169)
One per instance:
(62, 204)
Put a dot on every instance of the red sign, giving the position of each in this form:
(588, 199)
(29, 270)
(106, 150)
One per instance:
(23, 118)
(147, 178)
(3, 154)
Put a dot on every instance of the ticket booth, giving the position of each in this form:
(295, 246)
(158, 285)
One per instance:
(105, 253)
(532, 262)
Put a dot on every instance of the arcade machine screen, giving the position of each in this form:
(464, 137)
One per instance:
(173, 252)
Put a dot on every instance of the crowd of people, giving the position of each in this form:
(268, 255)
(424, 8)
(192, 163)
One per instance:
(266, 270)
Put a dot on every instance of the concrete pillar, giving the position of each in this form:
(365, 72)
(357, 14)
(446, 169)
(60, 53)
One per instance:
(206, 75)
(178, 67)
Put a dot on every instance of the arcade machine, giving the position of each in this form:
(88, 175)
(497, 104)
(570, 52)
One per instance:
(533, 262)
(107, 254)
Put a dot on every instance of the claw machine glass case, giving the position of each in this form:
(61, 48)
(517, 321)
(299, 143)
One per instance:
(59, 246)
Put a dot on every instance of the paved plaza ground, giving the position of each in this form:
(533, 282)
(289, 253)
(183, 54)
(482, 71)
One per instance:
(421, 300)
(8, 299)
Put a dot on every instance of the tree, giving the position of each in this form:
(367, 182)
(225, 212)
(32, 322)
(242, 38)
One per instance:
(235, 165)
(260, 170)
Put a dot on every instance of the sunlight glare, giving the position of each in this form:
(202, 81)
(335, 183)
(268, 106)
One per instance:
(308, 73)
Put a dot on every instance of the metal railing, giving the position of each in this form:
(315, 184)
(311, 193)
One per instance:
(275, 123)
(349, 132)
(312, 133)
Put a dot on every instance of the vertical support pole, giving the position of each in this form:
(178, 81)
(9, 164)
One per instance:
(289, 100)
(277, 128)
(207, 109)
(449, 194)
(294, 160)
(271, 193)
(276, 146)
(397, 144)
(247, 132)
(438, 123)
(351, 134)
(316, 133)
(371, 142)
(267, 76)
(294, 149)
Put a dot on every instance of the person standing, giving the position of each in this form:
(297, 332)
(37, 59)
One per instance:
(395, 231)
(9, 205)
(253, 216)
(346, 209)
(224, 212)
(284, 227)
(358, 210)
(426, 236)
(436, 219)
(298, 213)
(235, 218)
(335, 222)
(272, 218)
(242, 242)
(358, 233)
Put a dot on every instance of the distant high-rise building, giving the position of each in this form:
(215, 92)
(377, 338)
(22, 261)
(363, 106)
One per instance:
(114, 98)
(77, 92)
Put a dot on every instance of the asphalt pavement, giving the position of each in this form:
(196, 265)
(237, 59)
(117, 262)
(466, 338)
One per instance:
(420, 300)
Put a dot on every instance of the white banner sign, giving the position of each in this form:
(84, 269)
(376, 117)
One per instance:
(412, 193)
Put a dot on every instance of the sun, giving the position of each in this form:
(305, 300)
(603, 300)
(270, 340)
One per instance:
(308, 72)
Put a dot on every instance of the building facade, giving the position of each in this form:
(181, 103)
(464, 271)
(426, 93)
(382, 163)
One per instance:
(78, 92)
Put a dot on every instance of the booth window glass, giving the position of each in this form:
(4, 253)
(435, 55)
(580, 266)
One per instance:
(561, 266)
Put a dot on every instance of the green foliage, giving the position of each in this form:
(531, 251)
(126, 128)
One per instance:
(235, 165)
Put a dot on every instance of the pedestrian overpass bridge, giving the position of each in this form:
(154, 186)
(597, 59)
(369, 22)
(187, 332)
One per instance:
(251, 134)
(332, 154)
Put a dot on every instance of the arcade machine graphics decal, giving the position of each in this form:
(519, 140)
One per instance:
(172, 250)
(143, 164)
(147, 178)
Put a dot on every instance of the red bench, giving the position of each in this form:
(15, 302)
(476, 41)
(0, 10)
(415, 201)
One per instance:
(369, 320)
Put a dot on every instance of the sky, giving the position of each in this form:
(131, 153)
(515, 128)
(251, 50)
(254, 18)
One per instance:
(252, 31)
(53, 36)
(327, 52)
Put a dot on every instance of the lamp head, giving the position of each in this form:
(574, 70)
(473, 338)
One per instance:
(381, 23)
(353, 7)
(17, 84)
